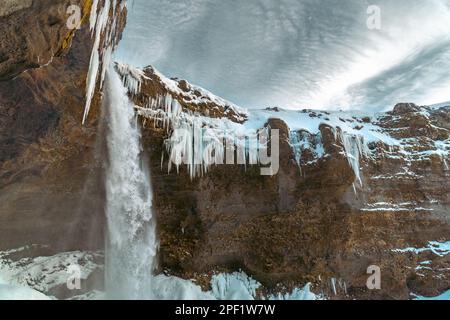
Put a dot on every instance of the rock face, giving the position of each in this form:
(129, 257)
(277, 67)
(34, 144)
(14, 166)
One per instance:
(314, 221)
(51, 187)
(11, 6)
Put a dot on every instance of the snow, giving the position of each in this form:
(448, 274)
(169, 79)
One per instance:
(351, 131)
(47, 272)
(391, 207)
(27, 278)
(297, 294)
(445, 296)
(235, 286)
(406, 175)
(310, 120)
(440, 249)
(9, 292)
(194, 95)
(440, 105)
(30, 278)
(204, 97)
(301, 141)
(94, 295)
(166, 110)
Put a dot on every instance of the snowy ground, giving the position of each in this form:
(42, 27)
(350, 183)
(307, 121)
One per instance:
(31, 278)
(438, 248)
(444, 296)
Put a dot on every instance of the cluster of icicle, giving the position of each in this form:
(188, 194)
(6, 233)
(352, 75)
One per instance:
(101, 28)
(355, 148)
(198, 141)
(198, 154)
(195, 140)
(300, 142)
(131, 77)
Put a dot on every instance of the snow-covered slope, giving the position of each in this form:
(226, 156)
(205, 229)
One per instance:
(179, 104)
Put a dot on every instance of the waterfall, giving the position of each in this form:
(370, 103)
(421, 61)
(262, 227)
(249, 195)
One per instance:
(131, 240)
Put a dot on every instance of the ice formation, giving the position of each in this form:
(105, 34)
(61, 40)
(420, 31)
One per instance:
(443, 297)
(196, 140)
(355, 149)
(20, 293)
(102, 29)
(183, 147)
(131, 77)
(440, 249)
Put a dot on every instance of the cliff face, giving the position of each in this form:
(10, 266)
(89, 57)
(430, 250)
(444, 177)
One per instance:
(352, 192)
(51, 188)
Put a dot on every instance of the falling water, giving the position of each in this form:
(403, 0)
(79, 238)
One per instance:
(131, 243)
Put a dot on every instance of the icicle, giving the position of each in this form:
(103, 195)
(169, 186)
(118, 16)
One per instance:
(93, 17)
(333, 286)
(100, 56)
(355, 148)
(445, 163)
(297, 147)
(194, 140)
(131, 77)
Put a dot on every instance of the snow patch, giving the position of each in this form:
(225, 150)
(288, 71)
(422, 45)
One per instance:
(10, 292)
(443, 297)
(440, 249)
(44, 273)
(235, 286)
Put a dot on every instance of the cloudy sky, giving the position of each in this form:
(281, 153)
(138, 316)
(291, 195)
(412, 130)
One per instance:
(297, 53)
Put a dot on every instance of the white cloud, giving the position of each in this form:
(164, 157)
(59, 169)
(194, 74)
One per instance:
(297, 54)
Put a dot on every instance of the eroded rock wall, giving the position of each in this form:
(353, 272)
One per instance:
(51, 187)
